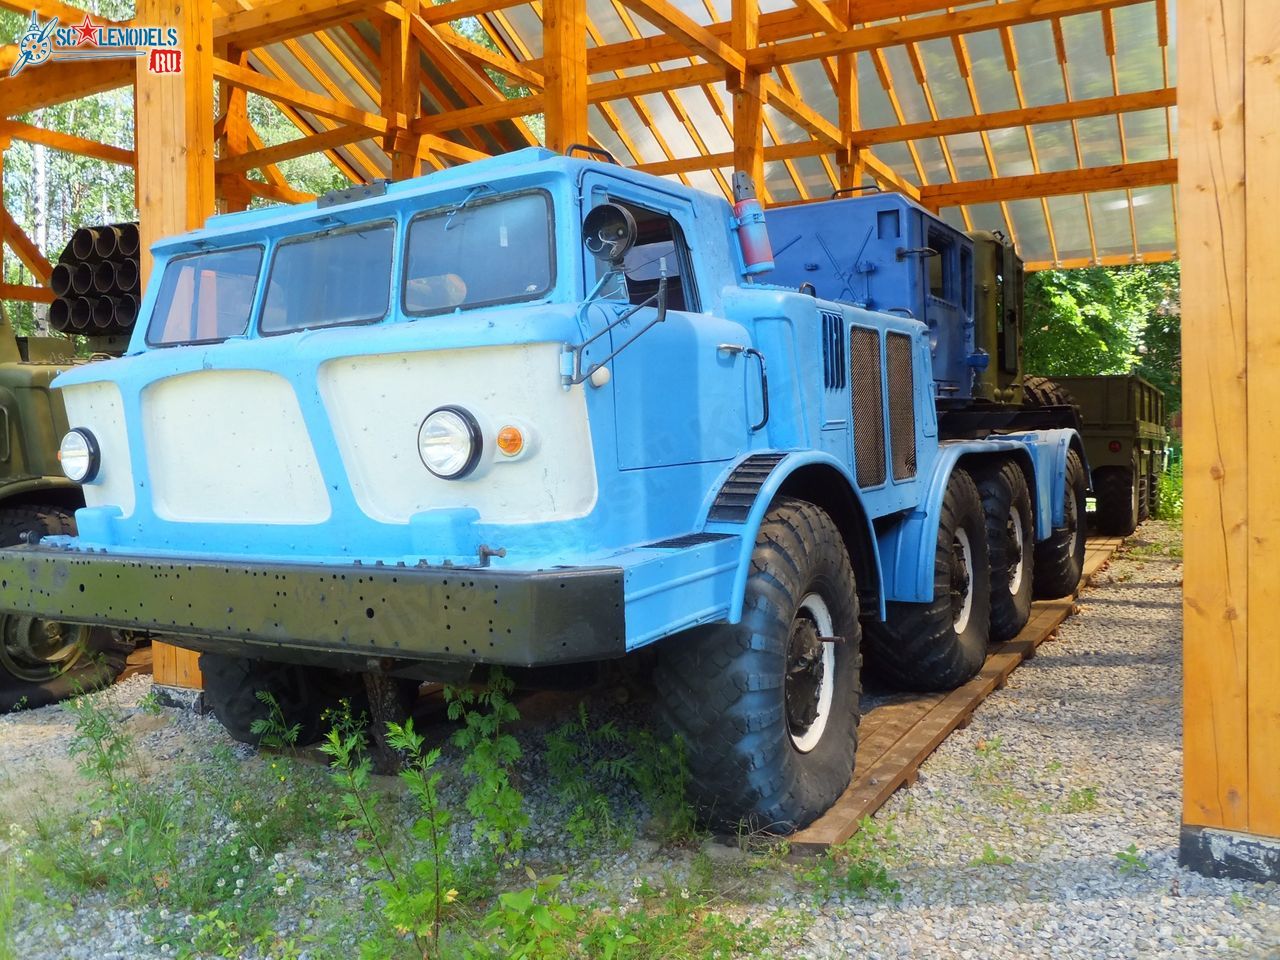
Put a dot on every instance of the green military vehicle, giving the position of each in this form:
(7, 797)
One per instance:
(41, 661)
(1120, 417)
(1127, 446)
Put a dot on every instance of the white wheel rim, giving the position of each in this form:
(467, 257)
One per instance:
(961, 620)
(816, 609)
(1015, 575)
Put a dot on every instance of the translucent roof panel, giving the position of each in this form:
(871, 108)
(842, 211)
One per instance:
(942, 86)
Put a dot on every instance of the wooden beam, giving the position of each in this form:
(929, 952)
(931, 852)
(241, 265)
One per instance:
(17, 291)
(53, 83)
(564, 65)
(800, 113)
(520, 72)
(290, 93)
(823, 14)
(401, 93)
(303, 146)
(645, 83)
(66, 142)
(284, 19)
(748, 92)
(693, 35)
(175, 183)
(1059, 183)
(1071, 110)
(1262, 160)
(1110, 260)
(463, 9)
(24, 247)
(269, 191)
(478, 116)
(1215, 213)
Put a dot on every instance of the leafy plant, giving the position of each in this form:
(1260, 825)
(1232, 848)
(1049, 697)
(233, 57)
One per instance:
(272, 730)
(1131, 861)
(1082, 800)
(989, 858)
(528, 924)
(857, 866)
(1170, 486)
(496, 806)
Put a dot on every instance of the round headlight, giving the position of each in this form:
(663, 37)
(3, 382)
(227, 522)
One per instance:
(449, 442)
(78, 455)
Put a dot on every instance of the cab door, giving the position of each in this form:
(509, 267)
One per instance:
(678, 398)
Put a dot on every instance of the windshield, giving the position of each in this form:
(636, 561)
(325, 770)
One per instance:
(331, 278)
(205, 297)
(485, 251)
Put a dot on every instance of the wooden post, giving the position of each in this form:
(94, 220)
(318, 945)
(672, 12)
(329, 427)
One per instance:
(564, 65)
(1229, 146)
(401, 96)
(748, 97)
(849, 158)
(175, 177)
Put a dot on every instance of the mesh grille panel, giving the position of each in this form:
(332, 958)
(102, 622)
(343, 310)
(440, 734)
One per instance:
(902, 411)
(832, 351)
(868, 406)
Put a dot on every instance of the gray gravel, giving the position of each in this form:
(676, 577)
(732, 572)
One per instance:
(1097, 712)
(1007, 844)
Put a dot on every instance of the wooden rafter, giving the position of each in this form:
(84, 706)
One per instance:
(689, 32)
(66, 142)
(1056, 184)
(53, 83)
(284, 91)
(24, 247)
(285, 19)
(67, 15)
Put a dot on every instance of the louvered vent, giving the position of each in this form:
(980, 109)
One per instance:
(902, 409)
(868, 406)
(833, 362)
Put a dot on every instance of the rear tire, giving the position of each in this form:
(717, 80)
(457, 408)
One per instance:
(1043, 392)
(1119, 504)
(942, 644)
(1006, 502)
(767, 710)
(1059, 561)
(231, 686)
(43, 661)
(1153, 495)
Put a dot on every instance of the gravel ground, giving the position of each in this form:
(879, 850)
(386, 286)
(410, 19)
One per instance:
(1006, 846)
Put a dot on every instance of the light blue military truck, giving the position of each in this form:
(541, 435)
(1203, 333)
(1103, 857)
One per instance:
(537, 410)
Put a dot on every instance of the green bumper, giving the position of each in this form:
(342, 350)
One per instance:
(342, 614)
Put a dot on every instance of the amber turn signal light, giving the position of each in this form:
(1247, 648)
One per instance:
(510, 440)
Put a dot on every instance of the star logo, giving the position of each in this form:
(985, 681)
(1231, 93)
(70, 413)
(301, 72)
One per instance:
(87, 32)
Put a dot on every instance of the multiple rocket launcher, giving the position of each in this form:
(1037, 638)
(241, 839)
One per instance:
(96, 282)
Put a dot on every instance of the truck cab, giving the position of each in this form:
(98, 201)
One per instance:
(538, 410)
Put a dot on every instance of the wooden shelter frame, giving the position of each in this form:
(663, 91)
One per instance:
(398, 87)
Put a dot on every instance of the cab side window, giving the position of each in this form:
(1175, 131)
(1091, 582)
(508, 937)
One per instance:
(659, 242)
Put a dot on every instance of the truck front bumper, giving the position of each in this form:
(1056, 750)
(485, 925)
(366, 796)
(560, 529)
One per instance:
(343, 615)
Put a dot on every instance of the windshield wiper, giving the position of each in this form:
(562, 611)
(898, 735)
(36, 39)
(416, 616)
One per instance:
(471, 195)
(572, 372)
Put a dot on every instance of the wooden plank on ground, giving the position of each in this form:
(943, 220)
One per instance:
(895, 738)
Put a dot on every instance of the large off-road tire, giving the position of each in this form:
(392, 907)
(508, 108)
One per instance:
(943, 643)
(232, 684)
(44, 661)
(1119, 504)
(1043, 392)
(1059, 561)
(1011, 535)
(768, 708)
(1153, 495)
(1144, 497)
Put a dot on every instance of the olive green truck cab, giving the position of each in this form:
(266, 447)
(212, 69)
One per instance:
(40, 660)
(1127, 445)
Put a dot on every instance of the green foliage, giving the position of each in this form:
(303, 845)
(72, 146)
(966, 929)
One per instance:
(528, 924)
(1170, 484)
(582, 756)
(1106, 320)
(272, 730)
(12, 859)
(1082, 800)
(856, 867)
(989, 858)
(1130, 861)
(489, 751)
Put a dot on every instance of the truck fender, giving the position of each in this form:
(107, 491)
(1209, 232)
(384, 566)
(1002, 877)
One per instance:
(746, 522)
(907, 548)
(1048, 450)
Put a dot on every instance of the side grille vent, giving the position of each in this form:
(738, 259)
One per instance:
(868, 406)
(833, 362)
(902, 410)
(734, 501)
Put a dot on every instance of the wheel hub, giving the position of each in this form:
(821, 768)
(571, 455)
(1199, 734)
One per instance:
(961, 582)
(805, 673)
(36, 650)
(1013, 531)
